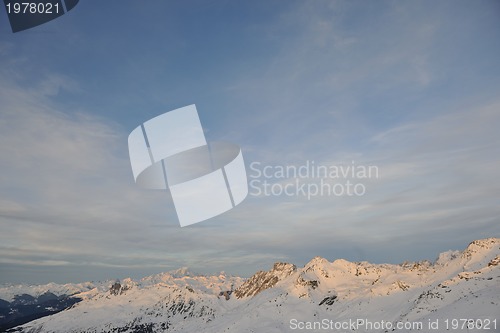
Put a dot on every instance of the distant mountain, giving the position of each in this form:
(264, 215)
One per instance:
(25, 308)
(9, 291)
(336, 296)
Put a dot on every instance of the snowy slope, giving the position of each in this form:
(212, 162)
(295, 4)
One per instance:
(361, 296)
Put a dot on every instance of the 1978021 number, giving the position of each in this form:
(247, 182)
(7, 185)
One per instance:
(479, 324)
(32, 8)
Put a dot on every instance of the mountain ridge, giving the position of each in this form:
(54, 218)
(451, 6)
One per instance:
(267, 301)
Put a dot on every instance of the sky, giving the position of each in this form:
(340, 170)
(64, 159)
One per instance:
(411, 87)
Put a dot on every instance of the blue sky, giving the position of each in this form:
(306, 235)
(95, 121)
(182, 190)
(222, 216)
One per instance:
(411, 87)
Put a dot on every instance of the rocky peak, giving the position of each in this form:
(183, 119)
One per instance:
(119, 288)
(264, 280)
(479, 253)
(285, 268)
(115, 288)
(479, 246)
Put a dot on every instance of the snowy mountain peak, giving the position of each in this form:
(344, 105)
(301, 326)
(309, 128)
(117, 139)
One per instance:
(180, 272)
(481, 247)
(317, 262)
(480, 252)
(446, 257)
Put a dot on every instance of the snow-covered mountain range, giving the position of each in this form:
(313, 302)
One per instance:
(458, 292)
